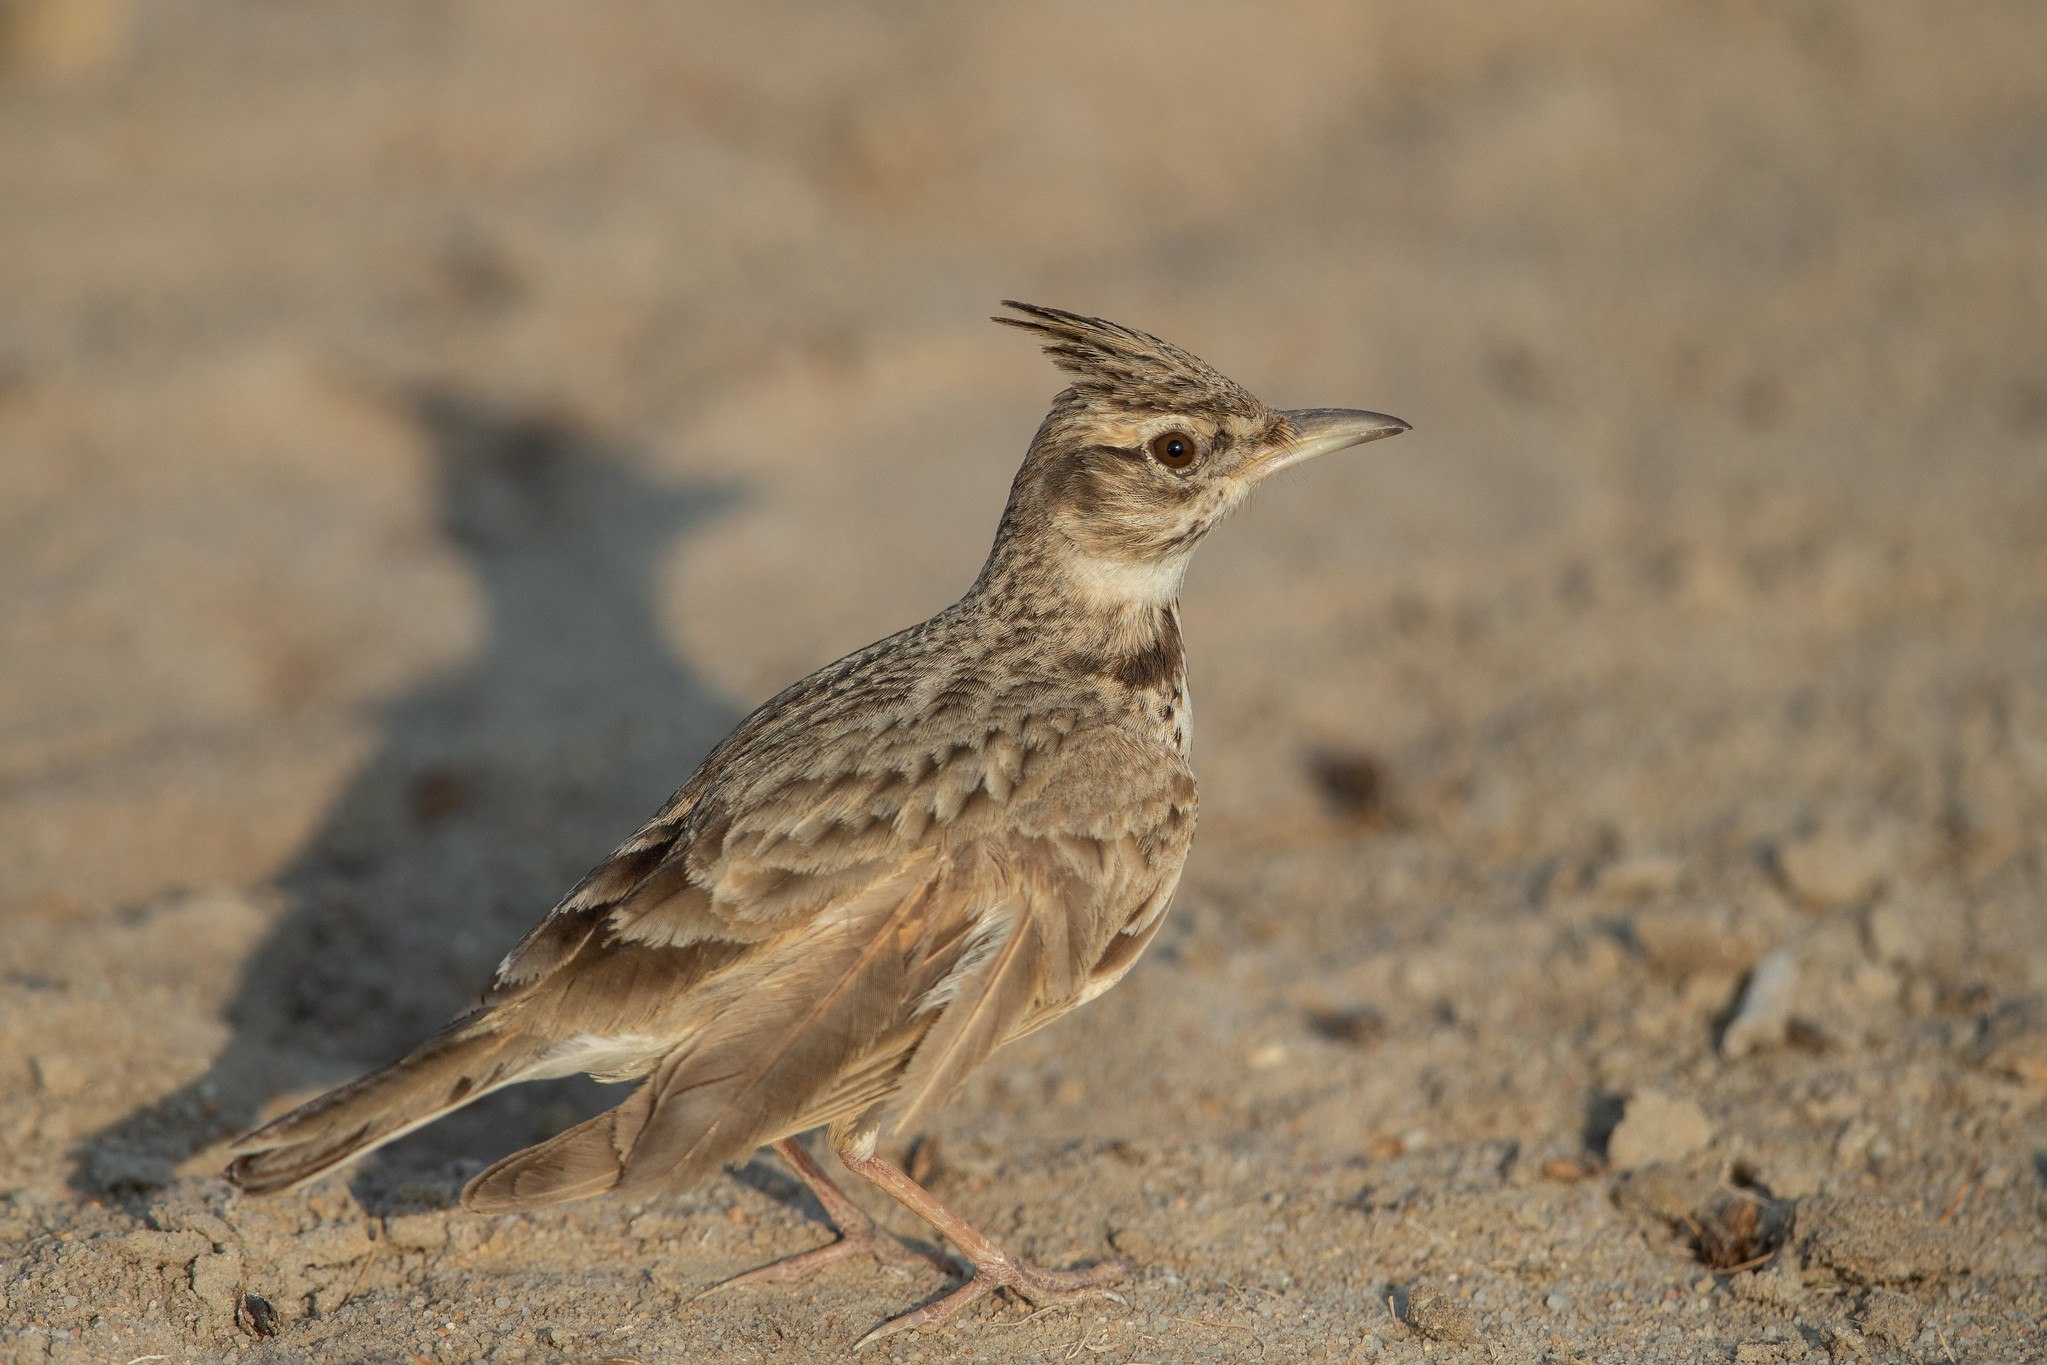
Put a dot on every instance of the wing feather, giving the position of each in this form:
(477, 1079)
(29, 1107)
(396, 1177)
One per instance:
(819, 1005)
(990, 991)
(794, 953)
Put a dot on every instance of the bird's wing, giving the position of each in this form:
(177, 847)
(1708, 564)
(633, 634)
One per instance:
(799, 950)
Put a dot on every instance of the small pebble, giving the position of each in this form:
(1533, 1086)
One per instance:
(56, 1074)
(1900, 935)
(1657, 1128)
(1831, 868)
(1765, 1010)
(1438, 1317)
(2023, 1058)
(1639, 876)
(1687, 942)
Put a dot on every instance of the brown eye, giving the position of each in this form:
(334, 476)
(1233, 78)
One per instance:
(1173, 449)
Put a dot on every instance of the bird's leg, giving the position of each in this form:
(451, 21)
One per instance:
(994, 1268)
(859, 1235)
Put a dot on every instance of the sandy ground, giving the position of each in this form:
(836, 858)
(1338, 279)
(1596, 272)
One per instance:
(1616, 932)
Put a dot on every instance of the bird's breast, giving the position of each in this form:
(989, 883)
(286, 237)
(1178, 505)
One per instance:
(1176, 714)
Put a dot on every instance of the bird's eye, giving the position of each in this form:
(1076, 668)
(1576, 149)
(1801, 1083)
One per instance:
(1174, 449)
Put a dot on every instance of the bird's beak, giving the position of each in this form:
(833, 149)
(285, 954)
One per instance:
(1317, 431)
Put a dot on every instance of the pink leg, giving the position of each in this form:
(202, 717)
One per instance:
(858, 1234)
(994, 1268)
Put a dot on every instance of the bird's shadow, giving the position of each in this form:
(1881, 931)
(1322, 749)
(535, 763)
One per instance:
(495, 787)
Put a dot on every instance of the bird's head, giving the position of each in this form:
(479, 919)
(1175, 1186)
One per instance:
(1145, 451)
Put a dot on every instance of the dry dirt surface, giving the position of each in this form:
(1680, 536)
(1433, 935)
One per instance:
(1616, 932)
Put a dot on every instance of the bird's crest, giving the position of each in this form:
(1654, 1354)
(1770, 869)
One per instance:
(1121, 367)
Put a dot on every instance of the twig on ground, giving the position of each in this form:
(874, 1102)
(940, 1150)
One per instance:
(1231, 1326)
(1961, 1195)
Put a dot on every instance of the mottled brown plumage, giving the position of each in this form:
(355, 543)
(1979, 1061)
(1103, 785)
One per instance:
(897, 865)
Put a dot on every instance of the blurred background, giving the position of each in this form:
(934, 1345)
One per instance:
(426, 427)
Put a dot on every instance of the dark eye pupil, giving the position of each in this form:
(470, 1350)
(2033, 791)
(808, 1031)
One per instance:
(1174, 448)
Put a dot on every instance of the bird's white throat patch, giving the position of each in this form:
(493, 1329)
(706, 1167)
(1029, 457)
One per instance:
(1112, 583)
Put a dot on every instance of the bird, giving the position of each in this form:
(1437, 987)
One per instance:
(926, 850)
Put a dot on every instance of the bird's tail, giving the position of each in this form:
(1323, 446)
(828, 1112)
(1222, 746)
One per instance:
(588, 1159)
(463, 1063)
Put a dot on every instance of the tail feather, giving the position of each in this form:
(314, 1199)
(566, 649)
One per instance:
(575, 1164)
(459, 1066)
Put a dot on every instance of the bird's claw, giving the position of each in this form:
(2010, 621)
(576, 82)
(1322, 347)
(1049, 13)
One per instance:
(884, 1248)
(1041, 1289)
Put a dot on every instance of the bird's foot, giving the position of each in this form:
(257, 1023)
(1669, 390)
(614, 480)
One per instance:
(1039, 1288)
(884, 1248)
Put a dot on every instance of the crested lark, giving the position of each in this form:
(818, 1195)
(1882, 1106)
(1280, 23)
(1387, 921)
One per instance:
(902, 862)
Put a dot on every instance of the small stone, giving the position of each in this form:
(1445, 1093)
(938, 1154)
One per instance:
(1832, 868)
(1764, 1014)
(1639, 876)
(1898, 935)
(57, 1074)
(256, 1316)
(1263, 1058)
(1682, 943)
(1669, 1194)
(1657, 1128)
(1852, 1146)
(1873, 983)
(1437, 1317)
(1794, 1177)
(1568, 1170)
(2023, 1058)
(1353, 784)
(1738, 1234)
(1135, 1243)
(1847, 1343)
(1890, 1317)
(1360, 1028)
(1557, 1303)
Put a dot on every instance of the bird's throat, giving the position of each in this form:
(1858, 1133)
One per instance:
(1080, 605)
(1116, 585)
